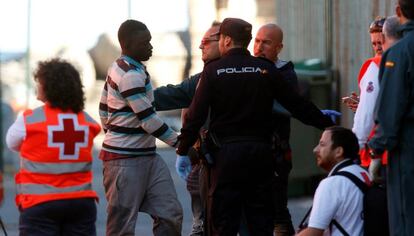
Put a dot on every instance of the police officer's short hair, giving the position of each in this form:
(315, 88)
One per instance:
(345, 138)
(239, 30)
(407, 8)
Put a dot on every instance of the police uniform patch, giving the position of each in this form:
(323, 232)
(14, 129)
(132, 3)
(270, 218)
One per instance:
(370, 87)
(389, 64)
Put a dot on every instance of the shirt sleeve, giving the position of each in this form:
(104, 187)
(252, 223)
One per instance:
(103, 107)
(290, 76)
(325, 204)
(196, 114)
(299, 107)
(16, 134)
(364, 116)
(393, 100)
(134, 87)
(176, 96)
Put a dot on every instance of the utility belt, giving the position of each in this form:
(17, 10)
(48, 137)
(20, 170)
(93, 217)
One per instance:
(210, 143)
(238, 139)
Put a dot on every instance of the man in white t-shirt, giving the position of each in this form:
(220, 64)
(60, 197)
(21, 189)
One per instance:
(337, 198)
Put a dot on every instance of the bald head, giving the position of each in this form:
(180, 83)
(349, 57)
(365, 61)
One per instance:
(275, 30)
(268, 42)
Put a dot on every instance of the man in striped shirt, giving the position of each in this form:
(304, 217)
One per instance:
(136, 179)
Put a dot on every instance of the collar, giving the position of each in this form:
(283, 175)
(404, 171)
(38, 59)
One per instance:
(133, 62)
(280, 63)
(407, 27)
(237, 51)
(340, 165)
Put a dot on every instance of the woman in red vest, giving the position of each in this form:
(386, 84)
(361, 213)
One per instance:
(54, 183)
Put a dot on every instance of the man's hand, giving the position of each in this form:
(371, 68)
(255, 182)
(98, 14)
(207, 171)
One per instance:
(332, 114)
(374, 170)
(352, 101)
(183, 166)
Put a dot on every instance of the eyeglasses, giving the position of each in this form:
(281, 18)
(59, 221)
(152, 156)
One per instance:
(207, 41)
(376, 25)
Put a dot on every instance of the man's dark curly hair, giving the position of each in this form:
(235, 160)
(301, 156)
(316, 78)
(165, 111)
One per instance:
(61, 84)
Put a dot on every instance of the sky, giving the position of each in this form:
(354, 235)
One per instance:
(78, 23)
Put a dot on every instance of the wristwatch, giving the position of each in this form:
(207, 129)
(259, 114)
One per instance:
(373, 154)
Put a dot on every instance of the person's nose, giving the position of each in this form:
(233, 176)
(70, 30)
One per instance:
(315, 150)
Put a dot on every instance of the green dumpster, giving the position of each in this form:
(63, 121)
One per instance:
(316, 83)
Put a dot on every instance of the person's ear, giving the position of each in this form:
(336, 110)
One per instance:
(339, 152)
(227, 41)
(279, 48)
(398, 11)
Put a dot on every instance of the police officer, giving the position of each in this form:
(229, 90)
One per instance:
(239, 90)
(395, 119)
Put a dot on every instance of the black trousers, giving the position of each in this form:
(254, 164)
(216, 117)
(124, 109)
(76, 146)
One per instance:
(241, 179)
(61, 217)
(283, 166)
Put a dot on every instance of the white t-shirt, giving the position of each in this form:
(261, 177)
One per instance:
(339, 198)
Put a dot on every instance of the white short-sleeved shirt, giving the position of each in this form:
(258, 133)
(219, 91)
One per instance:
(339, 198)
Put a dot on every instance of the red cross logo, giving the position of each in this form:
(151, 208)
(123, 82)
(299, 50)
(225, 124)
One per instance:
(68, 136)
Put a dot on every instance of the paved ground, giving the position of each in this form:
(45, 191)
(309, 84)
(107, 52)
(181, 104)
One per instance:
(9, 213)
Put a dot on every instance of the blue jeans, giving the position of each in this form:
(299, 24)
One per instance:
(60, 217)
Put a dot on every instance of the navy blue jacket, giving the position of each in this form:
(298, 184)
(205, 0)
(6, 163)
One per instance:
(240, 90)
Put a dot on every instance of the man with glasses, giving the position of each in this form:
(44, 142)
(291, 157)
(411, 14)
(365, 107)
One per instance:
(180, 96)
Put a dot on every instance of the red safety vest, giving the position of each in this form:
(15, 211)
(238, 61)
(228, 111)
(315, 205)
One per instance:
(56, 158)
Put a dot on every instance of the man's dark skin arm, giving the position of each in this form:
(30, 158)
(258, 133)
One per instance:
(178, 96)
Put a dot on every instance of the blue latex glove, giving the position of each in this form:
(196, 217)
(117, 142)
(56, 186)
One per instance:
(183, 166)
(332, 114)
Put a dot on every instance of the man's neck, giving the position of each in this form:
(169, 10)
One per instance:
(403, 20)
(336, 164)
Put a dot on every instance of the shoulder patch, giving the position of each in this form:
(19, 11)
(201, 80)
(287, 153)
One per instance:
(389, 64)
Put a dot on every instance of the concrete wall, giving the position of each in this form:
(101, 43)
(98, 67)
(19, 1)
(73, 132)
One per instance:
(306, 30)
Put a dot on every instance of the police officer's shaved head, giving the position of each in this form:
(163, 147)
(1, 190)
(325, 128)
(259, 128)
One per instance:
(268, 42)
(276, 30)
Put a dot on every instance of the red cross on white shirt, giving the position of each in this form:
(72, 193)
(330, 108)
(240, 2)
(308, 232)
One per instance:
(68, 136)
